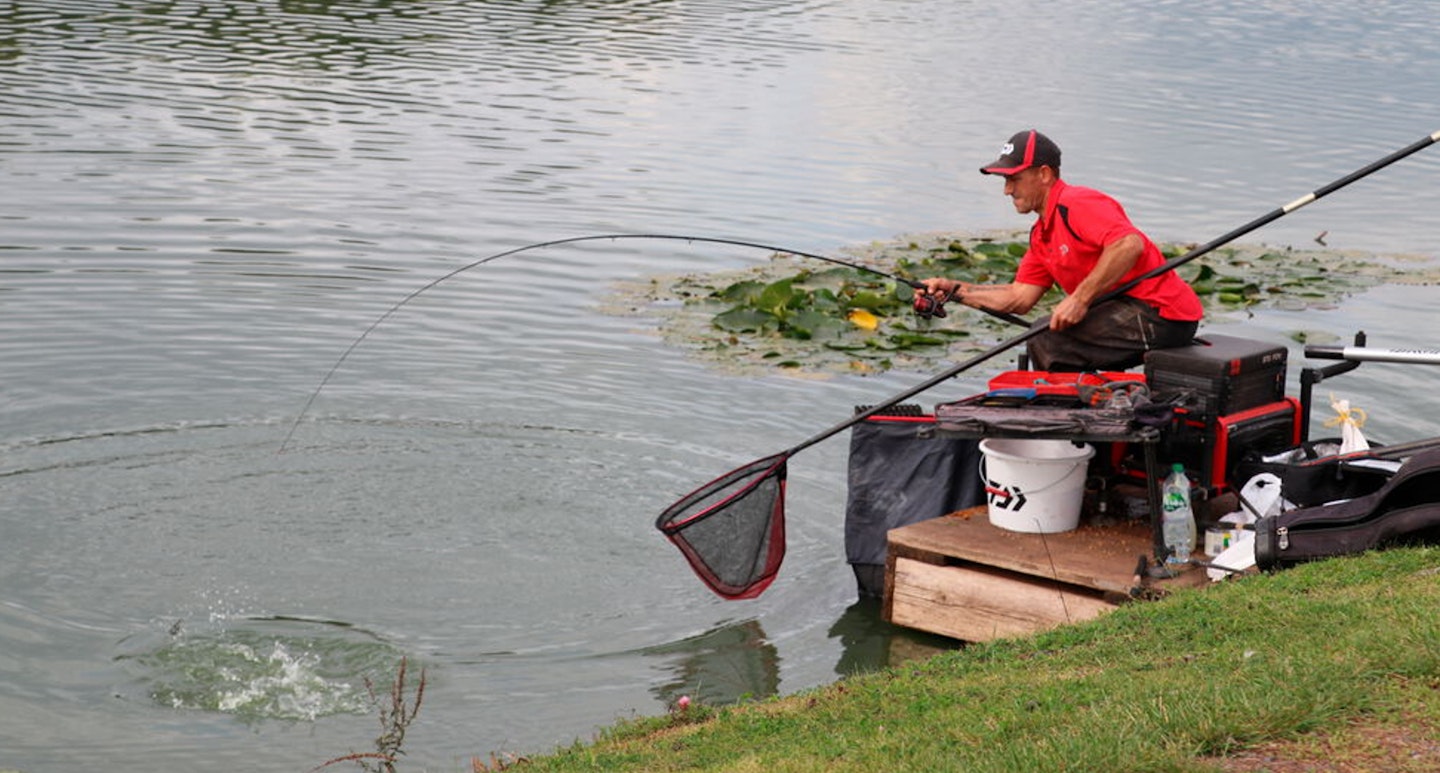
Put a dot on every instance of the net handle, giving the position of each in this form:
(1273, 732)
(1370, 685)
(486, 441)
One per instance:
(1044, 322)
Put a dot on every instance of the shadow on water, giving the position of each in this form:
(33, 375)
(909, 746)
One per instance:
(868, 643)
(736, 661)
(724, 665)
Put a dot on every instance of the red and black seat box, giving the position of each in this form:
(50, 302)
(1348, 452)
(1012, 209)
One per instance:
(1223, 375)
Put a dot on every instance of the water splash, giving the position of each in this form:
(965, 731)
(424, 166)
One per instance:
(269, 669)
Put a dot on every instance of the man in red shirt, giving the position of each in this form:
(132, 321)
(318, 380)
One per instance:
(1082, 241)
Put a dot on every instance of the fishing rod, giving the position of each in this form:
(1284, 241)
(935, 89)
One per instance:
(925, 305)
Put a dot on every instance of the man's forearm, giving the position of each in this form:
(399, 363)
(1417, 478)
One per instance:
(1114, 263)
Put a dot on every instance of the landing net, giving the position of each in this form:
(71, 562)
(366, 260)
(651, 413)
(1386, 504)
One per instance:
(732, 530)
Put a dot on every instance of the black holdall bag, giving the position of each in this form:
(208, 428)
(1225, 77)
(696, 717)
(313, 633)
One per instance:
(1404, 510)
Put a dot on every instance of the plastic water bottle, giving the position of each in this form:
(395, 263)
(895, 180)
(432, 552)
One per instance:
(1178, 526)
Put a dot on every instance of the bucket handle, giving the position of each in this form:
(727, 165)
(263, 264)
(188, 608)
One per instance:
(1030, 492)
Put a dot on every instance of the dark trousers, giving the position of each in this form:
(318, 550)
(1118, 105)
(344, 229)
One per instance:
(1113, 336)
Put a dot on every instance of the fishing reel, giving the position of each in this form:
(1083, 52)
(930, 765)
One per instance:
(927, 306)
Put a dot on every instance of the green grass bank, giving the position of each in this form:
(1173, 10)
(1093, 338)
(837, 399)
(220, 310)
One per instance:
(1328, 666)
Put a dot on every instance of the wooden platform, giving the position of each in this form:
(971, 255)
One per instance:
(961, 577)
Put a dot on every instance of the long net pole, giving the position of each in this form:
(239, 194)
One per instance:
(1040, 325)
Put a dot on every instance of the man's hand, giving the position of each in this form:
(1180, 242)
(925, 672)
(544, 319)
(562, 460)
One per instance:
(1068, 312)
(940, 287)
(931, 295)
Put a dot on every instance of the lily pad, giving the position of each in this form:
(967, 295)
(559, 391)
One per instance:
(806, 317)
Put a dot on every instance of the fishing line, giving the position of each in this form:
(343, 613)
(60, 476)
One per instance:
(936, 309)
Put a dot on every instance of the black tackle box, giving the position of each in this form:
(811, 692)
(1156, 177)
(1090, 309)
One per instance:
(1220, 375)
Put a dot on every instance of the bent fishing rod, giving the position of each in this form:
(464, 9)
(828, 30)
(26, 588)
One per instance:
(925, 305)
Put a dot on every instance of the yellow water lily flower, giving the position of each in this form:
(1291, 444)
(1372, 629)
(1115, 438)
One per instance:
(863, 319)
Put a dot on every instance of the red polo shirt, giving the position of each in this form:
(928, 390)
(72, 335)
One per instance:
(1066, 242)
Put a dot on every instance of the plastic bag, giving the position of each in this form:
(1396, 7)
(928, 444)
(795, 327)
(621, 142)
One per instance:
(1261, 497)
(1350, 420)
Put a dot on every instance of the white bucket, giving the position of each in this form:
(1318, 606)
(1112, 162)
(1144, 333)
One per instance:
(1034, 485)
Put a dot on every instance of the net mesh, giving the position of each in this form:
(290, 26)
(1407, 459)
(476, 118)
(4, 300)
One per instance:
(732, 530)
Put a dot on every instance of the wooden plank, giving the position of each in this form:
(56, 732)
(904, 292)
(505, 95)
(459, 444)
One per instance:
(1102, 558)
(974, 604)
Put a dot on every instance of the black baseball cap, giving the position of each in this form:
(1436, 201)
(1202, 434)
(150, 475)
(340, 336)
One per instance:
(1024, 150)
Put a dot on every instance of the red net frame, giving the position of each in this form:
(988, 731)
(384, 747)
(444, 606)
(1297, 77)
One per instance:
(732, 529)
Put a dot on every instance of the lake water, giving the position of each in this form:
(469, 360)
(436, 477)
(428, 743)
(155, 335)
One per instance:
(203, 203)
